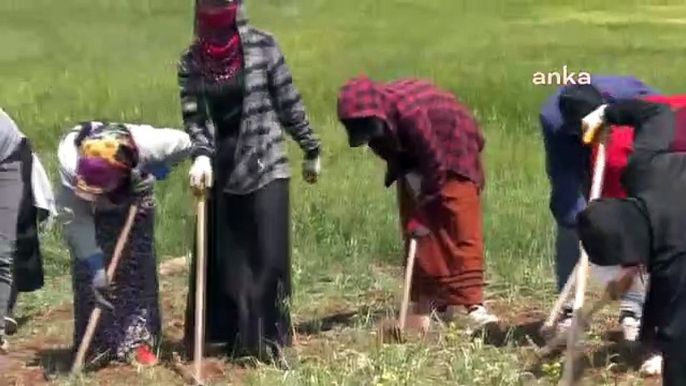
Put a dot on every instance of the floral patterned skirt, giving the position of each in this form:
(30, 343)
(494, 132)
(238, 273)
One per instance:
(135, 319)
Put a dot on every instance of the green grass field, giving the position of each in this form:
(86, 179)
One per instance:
(66, 61)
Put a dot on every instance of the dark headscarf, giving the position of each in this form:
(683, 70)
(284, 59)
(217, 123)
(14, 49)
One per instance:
(577, 101)
(217, 49)
(615, 231)
(363, 130)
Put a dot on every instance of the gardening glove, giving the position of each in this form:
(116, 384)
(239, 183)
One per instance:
(159, 170)
(201, 173)
(416, 229)
(312, 167)
(416, 226)
(593, 125)
(99, 283)
(142, 183)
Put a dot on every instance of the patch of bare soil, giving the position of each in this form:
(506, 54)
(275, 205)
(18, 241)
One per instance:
(40, 352)
(42, 346)
(26, 377)
(212, 370)
(605, 355)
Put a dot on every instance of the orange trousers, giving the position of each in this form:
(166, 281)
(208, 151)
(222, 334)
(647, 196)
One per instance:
(449, 265)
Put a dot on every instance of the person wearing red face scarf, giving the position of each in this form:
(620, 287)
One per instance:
(238, 97)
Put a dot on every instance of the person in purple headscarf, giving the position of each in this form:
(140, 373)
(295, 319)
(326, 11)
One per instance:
(238, 99)
(104, 168)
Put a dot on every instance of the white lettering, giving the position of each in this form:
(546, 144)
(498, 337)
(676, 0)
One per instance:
(539, 78)
(584, 77)
(564, 77)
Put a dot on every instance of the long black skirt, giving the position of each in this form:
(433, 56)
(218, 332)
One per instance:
(248, 282)
(673, 368)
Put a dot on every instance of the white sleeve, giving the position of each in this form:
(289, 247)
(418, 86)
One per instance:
(74, 213)
(161, 145)
(67, 158)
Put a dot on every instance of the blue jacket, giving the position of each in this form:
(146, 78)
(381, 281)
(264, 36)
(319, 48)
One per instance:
(567, 159)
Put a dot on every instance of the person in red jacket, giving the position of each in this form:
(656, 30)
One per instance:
(432, 145)
(620, 144)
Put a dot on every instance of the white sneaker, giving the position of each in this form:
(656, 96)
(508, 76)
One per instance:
(4, 346)
(652, 366)
(11, 325)
(630, 327)
(480, 317)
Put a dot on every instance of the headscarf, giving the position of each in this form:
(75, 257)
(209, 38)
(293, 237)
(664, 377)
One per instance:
(107, 155)
(615, 231)
(217, 49)
(577, 101)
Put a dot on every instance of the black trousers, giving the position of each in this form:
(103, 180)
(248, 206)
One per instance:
(248, 286)
(673, 368)
(11, 187)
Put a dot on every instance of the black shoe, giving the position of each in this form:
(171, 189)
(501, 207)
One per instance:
(11, 325)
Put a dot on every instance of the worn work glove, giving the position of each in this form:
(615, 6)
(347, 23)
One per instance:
(312, 167)
(99, 282)
(142, 183)
(593, 125)
(416, 229)
(201, 173)
(159, 170)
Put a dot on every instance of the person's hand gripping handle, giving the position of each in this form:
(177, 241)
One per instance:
(593, 126)
(201, 175)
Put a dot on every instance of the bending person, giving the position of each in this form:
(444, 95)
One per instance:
(568, 166)
(647, 228)
(432, 146)
(105, 168)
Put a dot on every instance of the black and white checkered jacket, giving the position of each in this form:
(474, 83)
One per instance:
(271, 102)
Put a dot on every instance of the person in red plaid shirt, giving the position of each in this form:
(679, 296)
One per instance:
(432, 146)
